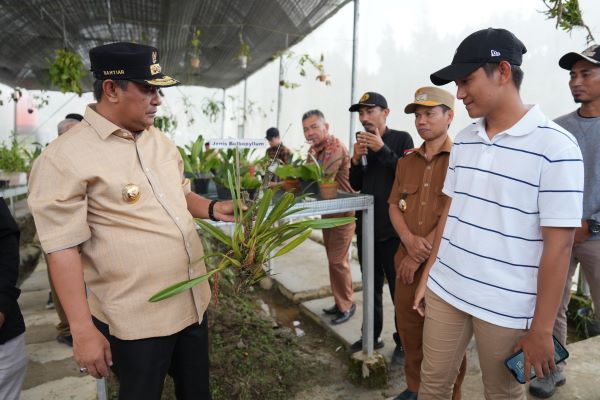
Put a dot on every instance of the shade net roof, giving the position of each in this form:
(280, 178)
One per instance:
(31, 30)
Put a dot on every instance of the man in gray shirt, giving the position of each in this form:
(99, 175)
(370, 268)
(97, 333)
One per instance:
(584, 124)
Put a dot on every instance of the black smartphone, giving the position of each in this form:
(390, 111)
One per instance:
(516, 362)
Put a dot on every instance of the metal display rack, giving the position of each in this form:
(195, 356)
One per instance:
(10, 193)
(315, 206)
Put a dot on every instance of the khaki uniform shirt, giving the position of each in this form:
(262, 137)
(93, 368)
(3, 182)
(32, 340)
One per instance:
(129, 251)
(419, 183)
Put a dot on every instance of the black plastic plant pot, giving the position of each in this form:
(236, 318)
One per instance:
(223, 193)
(200, 185)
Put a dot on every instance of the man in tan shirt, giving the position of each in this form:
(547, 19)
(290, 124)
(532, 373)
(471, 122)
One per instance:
(333, 157)
(113, 209)
(415, 205)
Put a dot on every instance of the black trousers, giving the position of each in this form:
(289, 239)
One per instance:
(142, 365)
(383, 267)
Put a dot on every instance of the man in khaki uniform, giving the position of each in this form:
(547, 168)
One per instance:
(415, 205)
(113, 209)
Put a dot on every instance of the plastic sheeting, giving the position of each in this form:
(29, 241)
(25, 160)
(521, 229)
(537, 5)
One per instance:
(30, 31)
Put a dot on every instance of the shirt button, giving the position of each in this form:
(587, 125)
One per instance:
(187, 244)
(426, 185)
(161, 195)
(422, 203)
(176, 218)
(147, 169)
(429, 167)
(420, 222)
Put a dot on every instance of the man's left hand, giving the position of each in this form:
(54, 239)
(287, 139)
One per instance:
(223, 211)
(407, 268)
(538, 349)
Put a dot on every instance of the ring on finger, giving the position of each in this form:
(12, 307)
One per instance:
(83, 370)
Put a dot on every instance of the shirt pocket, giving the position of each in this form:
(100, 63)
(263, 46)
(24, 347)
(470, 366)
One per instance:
(409, 193)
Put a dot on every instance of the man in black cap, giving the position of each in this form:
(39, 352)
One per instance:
(276, 149)
(376, 151)
(584, 124)
(113, 209)
(502, 247)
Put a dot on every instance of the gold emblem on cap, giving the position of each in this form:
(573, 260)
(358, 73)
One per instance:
(131, 193)
(364, 98)
(155, 69)
(154, 57)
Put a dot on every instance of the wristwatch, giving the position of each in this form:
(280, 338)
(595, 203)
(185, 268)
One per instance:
(593, 226)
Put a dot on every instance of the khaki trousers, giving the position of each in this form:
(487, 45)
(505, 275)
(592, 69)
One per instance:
(337, 243)
(410, 328)
(446, 334)
(587, 255)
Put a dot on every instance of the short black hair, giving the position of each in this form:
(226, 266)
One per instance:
(98, 87)
(444, 108)
(272, 133)
(517, 72)
(75, 116)
(312, 113)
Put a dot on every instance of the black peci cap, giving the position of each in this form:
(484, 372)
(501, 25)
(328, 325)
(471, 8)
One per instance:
(129, 61)
(484, 46)
(369, 99)
(74, 116)
(591, 54)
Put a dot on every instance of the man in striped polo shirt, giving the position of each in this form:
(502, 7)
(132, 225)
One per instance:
(584, 123)
(499, 262)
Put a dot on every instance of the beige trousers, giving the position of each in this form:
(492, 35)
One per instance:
(587, 255)
(446, 334)
(337, 243)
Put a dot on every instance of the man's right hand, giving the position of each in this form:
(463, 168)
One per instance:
(91, 350)
(418, 247)
(360, 149)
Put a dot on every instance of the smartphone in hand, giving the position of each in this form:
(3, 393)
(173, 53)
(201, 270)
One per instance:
(516, 362)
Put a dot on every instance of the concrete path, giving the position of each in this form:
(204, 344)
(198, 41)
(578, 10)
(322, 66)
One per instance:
(51, 373)
(302, 277)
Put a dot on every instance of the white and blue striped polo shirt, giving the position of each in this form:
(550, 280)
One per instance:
(503, 191)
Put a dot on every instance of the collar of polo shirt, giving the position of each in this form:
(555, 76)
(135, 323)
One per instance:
(524, 126)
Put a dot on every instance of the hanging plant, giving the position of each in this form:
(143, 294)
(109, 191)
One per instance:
(211, 109)
(243, 54)
(196, 51)
(306, 60)
(166, 124)
(66, 71)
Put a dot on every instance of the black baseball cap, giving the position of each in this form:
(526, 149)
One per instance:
(369, 99)
(129, 61)
(272, 133)
(591, 54)
(485, 46)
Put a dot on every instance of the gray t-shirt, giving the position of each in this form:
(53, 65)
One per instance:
(587, 133)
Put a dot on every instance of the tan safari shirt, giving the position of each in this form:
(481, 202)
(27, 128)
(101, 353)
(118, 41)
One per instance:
(419, 183)
(129, 250)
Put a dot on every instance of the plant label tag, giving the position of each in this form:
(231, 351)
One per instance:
(230, 143)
